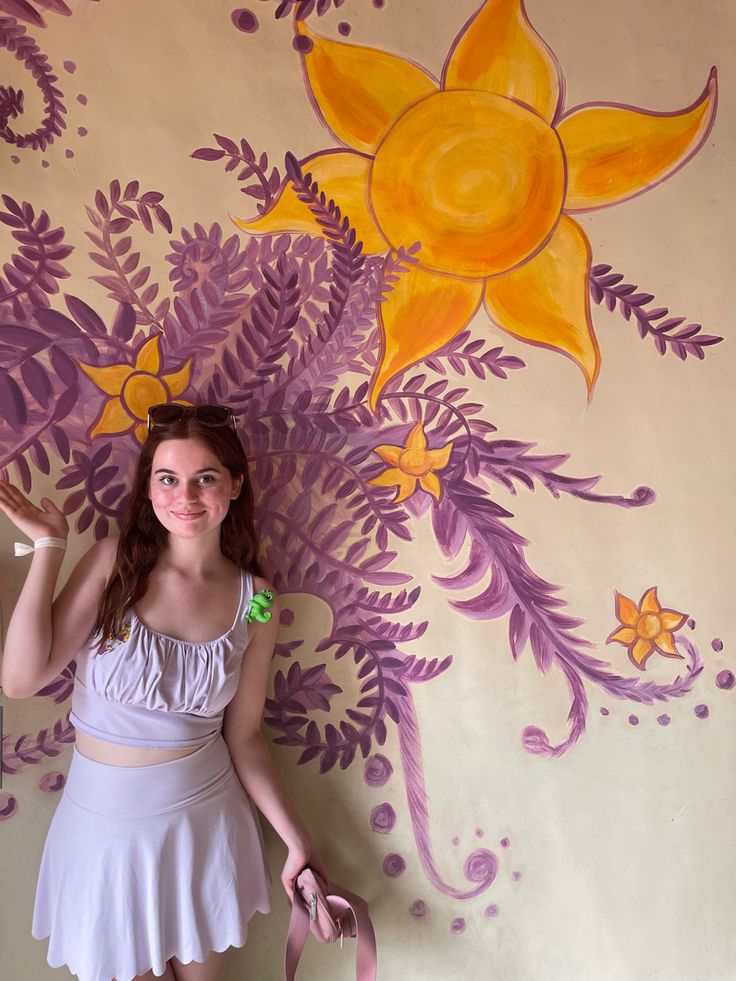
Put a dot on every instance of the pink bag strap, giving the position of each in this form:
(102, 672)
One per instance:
(343, 900)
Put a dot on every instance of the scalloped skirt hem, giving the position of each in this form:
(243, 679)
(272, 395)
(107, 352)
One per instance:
(146, 863)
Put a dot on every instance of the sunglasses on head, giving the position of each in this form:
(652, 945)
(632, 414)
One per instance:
(169, 413)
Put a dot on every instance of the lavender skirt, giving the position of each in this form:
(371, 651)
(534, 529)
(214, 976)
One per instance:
(143, 863)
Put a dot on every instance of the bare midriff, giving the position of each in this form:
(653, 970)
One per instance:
(117, 754)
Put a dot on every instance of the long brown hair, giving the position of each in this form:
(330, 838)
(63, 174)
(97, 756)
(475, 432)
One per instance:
(143, 537)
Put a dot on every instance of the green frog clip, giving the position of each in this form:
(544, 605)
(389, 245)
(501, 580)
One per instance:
(258, 607)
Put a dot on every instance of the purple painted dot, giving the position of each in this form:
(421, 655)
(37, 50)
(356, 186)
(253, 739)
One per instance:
(377, 770)
(418, 908)
(456, 841)
(82, 99)
(491, 910)
(480, 833)
(725, 679)
(82, 130)
(70, 67)
(717, 644)
(691, 623)
(604, 710)
(633, 720)
(14, 159)
(8, 806)
(702, 711)
(245, 20)
(302, 44)
(481, 866)
(378, 3)
(458, 925)
(393, 865)
(52, 782)
(44, 163)
(286, 617)
(344, 28)
(664, 719)
(516, 876)
(69, 154)
(383, 818)
(505, 842)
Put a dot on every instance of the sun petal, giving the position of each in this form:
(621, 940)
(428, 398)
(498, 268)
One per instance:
(439, 458)
(499, 51)
(545, 301)
(360, 91)
(641, 651)
(671, 619)
(343, 176)
(649, 601)
(626, 610)
(423, 311)
(665, 643)
(177, 381)
(430, 483)
(615, 152)
(148, 358)
(396, 478)
(389, 454)
(113, 419)
(416, 440)
(624, 635)
(109, 379)
(141, 431)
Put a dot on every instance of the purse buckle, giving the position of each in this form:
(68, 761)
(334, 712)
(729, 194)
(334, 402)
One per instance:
(313, 906)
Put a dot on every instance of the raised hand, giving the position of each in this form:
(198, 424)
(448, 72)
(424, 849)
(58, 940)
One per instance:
(33, 521)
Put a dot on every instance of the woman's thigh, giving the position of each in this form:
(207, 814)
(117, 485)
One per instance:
(168, 975)
(213, 969)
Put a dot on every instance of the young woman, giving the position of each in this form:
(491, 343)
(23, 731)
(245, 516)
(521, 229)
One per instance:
(154, 860)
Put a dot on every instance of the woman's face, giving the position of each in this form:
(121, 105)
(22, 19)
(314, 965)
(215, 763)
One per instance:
(190, 489)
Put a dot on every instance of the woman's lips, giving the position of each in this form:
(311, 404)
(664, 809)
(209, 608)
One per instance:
(187, 515)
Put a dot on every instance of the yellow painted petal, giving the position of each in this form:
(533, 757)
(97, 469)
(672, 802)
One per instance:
(141, 431)
(649, 601)
(391, 478)
(109, 379)
(389, 454)
(624, 635)
(499, 51)
(671, 619)
(666, 644)
(360, 91)
(177, 381)
(641, 651)
(545, 301)
(439, 458)
(430, 483)
(416, 440)
(148, 358)
(616, 152)
(343, 176)
(626, 610)
(113, 419)
(422, 312)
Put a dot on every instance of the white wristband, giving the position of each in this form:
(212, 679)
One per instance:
(22, 549)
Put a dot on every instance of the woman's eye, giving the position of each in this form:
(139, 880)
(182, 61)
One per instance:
(206, 479)
(167, 481)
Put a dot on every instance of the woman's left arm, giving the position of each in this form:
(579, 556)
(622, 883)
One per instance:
(250, 753)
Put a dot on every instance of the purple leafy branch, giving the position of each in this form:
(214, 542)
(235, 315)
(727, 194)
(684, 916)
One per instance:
(11, 104)
(14, 38)
(27, 750)
(461, 352)
(670, 333)
(265, 186)
(303, 8)
(102, 500)
(34, 270)
(27, 11)
(114, 217)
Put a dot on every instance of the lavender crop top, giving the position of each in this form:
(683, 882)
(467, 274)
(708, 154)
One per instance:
(152, 690)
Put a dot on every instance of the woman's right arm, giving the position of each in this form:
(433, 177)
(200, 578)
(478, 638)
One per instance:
(44, 634)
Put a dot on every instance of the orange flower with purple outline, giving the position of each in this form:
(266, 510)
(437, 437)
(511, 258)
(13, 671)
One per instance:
(646, 628)
(134, 389)
(411, 465)
(485, 169)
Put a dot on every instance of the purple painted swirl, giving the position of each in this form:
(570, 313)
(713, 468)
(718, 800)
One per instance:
(377, 770)
(418, 908)
(383, 818)
(393, 865)
(481, 866)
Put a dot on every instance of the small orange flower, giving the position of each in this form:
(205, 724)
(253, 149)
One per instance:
(412, 464)
(135, 388)
(646, 628)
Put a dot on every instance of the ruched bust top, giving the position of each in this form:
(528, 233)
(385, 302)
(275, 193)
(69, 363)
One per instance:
(150, 690)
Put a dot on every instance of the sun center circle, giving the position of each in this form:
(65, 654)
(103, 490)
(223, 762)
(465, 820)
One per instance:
(415, 462)
(142, 390)
(476, 178)
(648, 626)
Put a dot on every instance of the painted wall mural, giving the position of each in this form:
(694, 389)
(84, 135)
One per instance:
(340, 302)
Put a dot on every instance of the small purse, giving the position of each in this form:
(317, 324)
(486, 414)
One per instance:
(330, 913)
